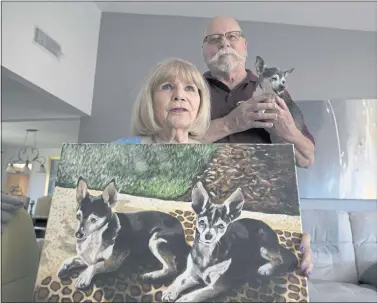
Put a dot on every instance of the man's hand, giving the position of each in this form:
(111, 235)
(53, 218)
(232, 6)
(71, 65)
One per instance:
(284, 125)
(250, 114)
(285, 130)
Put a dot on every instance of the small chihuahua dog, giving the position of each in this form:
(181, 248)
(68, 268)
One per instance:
(227, 252)
(271, 79)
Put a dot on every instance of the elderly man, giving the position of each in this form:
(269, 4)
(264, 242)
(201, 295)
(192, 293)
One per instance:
(225, 53)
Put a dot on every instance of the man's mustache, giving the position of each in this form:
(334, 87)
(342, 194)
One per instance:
(223, 52)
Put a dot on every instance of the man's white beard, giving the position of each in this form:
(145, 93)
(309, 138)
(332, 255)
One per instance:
(221, 61)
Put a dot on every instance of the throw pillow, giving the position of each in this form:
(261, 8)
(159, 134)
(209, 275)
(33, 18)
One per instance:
(9, 206)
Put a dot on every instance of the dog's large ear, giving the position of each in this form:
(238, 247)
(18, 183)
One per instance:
(81, 189)
(286, 73)
(110, 194)
(234, 204)
(259, 65)
(199, 197)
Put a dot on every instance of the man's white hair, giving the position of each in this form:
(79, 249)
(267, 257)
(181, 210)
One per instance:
(225, 65)
(216, 62)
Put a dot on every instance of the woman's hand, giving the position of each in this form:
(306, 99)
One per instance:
(307, 259)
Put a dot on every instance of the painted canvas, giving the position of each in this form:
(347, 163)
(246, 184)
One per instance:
(173, 223)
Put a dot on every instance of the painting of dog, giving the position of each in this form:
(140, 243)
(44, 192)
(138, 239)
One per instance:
(173, 223)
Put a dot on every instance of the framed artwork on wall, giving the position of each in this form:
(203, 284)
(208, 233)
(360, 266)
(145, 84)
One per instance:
(345, 165)
(52, 169)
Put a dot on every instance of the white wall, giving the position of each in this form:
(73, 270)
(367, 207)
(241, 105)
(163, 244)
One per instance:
(37, 183)
(75, 26)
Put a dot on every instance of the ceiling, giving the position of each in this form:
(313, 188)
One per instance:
(51, 134)
(24, 106)
(22, 100)
(342, 15)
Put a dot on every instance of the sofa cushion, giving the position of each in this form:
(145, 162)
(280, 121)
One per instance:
(326, 291)
(369, 276)
(19, 259)
(9, 207)
(364, 230)
(331, 243)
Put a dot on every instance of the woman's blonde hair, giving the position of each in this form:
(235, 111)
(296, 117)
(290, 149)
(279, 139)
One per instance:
(143, 117)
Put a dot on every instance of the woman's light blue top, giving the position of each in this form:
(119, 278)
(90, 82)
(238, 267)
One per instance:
(131, 140)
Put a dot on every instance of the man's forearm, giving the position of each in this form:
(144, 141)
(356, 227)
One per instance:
(304, 149)
(218, 129)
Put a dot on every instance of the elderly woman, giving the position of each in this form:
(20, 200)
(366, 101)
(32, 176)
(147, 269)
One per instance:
(173, 106)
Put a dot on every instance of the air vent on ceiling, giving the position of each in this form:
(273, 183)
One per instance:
(47, 43)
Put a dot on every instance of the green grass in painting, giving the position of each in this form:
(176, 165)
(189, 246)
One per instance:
(160, 171)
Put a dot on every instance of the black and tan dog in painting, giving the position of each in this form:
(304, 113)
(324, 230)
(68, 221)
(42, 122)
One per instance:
(227, 251)
(105, 239)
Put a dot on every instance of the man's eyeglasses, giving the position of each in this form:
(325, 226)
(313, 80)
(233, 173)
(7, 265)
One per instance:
(230, 36)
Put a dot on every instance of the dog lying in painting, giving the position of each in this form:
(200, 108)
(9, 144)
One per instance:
(227, 252)
(104, 239)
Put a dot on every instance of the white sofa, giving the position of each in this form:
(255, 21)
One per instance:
(344, 245)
